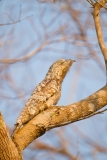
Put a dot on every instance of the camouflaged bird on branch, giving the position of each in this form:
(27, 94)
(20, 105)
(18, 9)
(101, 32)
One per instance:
(46, 94)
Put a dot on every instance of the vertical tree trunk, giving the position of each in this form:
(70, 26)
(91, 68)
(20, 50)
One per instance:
(8, 150)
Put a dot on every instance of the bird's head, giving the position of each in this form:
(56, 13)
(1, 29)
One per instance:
(59, 69)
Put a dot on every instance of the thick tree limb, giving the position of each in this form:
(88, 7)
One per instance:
(58, 116)
(8, 150)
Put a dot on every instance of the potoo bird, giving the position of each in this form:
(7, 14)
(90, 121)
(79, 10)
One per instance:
(46, 94)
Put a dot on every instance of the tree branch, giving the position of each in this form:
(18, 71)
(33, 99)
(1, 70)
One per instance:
(96, 15)
(8, 150)
(58, 116)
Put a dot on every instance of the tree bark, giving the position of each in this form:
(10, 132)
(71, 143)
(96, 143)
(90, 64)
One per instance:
(8, 149)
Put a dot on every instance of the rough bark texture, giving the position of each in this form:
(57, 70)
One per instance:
(8, 149)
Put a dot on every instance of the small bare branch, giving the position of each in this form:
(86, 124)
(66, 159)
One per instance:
(97, 7)
(14, 22)
(91, 2)
(101, 4)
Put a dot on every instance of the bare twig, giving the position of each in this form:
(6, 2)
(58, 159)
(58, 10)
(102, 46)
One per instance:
(91, 2)
(14, 22)
(31, 54)
(97, 7)
(101, 4)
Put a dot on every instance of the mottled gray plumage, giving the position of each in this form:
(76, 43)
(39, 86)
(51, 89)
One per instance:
(46, 94)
